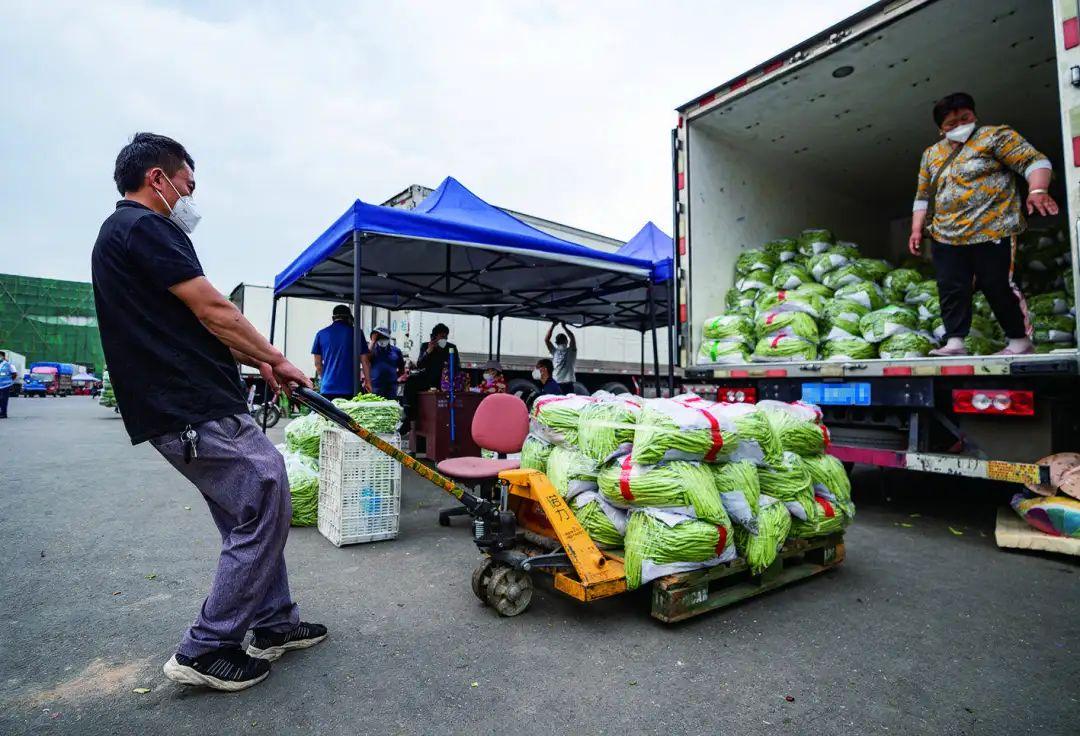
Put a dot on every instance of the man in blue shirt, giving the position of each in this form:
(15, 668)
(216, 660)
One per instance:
(7, 378)
(386, 364)
(333, 354)
(543, 373)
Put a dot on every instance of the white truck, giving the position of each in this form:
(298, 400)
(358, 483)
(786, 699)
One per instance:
(829, 134)
(607, 358)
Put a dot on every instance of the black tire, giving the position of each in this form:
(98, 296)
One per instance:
(524, 389)
(616, 388)
(581, 390)
(273, 415)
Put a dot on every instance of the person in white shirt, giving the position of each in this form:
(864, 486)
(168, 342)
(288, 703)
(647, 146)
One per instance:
(563, 355)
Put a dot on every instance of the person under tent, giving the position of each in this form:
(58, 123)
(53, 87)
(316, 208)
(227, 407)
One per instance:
(386, 362)
(967, 190)
(494, 381)
(544, 373)
(563, 356)
(332, 352)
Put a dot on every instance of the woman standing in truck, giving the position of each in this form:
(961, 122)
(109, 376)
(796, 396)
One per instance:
(967, 190)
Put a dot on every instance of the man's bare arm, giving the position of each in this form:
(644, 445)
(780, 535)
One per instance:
(317, 359)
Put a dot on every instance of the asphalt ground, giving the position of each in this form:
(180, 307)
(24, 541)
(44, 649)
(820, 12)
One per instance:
(106, 553)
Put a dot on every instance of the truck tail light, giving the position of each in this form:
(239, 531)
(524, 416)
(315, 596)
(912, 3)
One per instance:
(993, 401)
(736, 395)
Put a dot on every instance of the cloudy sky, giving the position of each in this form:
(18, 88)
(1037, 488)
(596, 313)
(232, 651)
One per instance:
(292, 110)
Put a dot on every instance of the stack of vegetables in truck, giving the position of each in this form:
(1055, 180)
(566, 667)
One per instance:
(793, 197)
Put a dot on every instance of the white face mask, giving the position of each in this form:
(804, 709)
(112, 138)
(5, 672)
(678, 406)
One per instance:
(382, 343)
(489, 377)
(183, 213)
(442, 343)
(961, 133)
(536, 374)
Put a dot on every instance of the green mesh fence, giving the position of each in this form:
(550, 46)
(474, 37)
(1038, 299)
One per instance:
(50, 320)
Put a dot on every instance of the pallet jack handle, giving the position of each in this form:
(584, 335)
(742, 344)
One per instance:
(477, 507)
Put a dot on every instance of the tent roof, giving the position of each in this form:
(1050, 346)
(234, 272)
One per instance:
(457, 253)
(654, 245)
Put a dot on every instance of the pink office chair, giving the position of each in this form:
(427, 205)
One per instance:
(500, 424)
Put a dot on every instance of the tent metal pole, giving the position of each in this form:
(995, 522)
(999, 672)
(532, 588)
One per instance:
(498, 341)
(358, 326)
(491, 336)
(672, 337)
(643, 362)
(655, 346)
(266, 386)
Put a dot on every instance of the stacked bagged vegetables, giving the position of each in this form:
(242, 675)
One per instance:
(660, 543)
(372, 412)
(605, 524)
(555, 418)
(606, 426)
(571, 471)
(535, 452)
(303, 473)
(304, 433)
(729, 337)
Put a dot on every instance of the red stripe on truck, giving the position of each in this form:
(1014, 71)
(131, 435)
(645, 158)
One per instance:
(706, 100)
(682, 180)
(682, 245)
(896, 370)
(682, 313)
(880, 458)
(958, 370)
(1076, 151)
(773, 67)
(1070, 29)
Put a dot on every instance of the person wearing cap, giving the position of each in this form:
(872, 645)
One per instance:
(332, 352)
(494, 381)
(386, 364)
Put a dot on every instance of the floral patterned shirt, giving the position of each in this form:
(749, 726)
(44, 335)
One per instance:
(977, 200)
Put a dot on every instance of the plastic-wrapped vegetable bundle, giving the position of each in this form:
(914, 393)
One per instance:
(799, 324)
(985, 327)
(822, 518)
(679, 485)
(790, 276)
(303, 473)
(822, 263)
(841, 319)
(814, 241)
(734, 298)
(852, 273)
(785, 480)
(866, 293)
(1056, 328)
(935, 327)
(797, 434)
(760, 548)
(661, 543)
(755, 260)
(888, 321)
(721, 351)
(730, 328)
(799, 300)
(831, 481)
(535, 452)
(980, 305)
(814, 288)
(304, 434)
(929, 309)
(555, 418)
(1054, 302)
(875, 268)
(845, 248)
(607, 425)
(854, 349)
(978, 345)
(784, 348)
(755, 281)
(898, 281)
(571, 471)
(604, 523)
(905, 345)
(921, 292)
(783, 249)
(671, 430)
(372, 412)
(740, 492)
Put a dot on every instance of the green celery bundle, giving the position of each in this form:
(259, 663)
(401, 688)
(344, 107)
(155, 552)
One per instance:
(799, 300)
(866, 293)
(798, 324)
(1054, 302)
(783, 249)
(786, 480)
(605, 425)
(846, 249)
(797, 435)
(679, 484)
(898, 281)
(979, 345)
(740, 491)
(303, 434)
(571, 471)
(888, 321)
(851, 273)
(604, 523)
(734, 299)
(556, 418)
(783, 348)
(854, 349)
(790, 276)
(1054, 328)
(760, 549)
(729, 327)
(822, 263)
(831, 481)
(667, 429)
(813, 241)
(876, 269)
(840, 319)
(905, 345)
(657, 544)
(535, 452)
(722, 351)
(920, 292)
(755, 260)
(755, 281)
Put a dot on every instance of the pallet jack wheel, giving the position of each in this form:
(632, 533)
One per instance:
(481, 576)
(509, 591)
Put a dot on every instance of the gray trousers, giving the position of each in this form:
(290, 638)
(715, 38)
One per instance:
(242, 477)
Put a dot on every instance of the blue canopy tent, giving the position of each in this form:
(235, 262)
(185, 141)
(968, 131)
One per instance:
(457, 253)
(654, 245)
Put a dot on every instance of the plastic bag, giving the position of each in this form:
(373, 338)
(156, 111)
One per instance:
(662, 543)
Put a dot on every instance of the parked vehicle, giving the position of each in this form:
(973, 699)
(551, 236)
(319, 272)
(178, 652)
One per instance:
(49, 379)
(829, 134)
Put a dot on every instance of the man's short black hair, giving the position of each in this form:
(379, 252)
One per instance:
(144, 152)
(952, 103)
(341, 311)
(546, 363)
(440, 329)
(561, 337)
(2, 353)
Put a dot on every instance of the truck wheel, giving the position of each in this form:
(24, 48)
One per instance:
(581, 390)
(524, 389)
(616, 388)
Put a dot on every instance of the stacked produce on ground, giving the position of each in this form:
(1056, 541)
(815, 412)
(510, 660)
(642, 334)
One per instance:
(108, 398)
(812, 297)
(303, 437)
(684, 483)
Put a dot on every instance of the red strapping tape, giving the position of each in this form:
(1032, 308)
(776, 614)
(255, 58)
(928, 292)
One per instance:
(781, 295)
(624, 479)
(776, 339)
(825, 506)
(717, 438)
(825, 434)
(770, 318)
(723, 540)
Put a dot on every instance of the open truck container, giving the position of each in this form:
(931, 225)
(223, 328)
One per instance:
(829, 134)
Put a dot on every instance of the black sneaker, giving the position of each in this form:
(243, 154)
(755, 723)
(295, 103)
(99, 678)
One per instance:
(269, 646)
(223, 669)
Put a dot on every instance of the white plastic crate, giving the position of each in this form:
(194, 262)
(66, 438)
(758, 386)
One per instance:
(359, 489)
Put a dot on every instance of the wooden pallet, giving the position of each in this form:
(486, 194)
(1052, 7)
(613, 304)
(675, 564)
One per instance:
(679, 597)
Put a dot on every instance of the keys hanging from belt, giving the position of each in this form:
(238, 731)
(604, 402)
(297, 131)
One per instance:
(190, 438)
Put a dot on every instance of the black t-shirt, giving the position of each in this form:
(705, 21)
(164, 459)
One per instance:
(167, 370)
